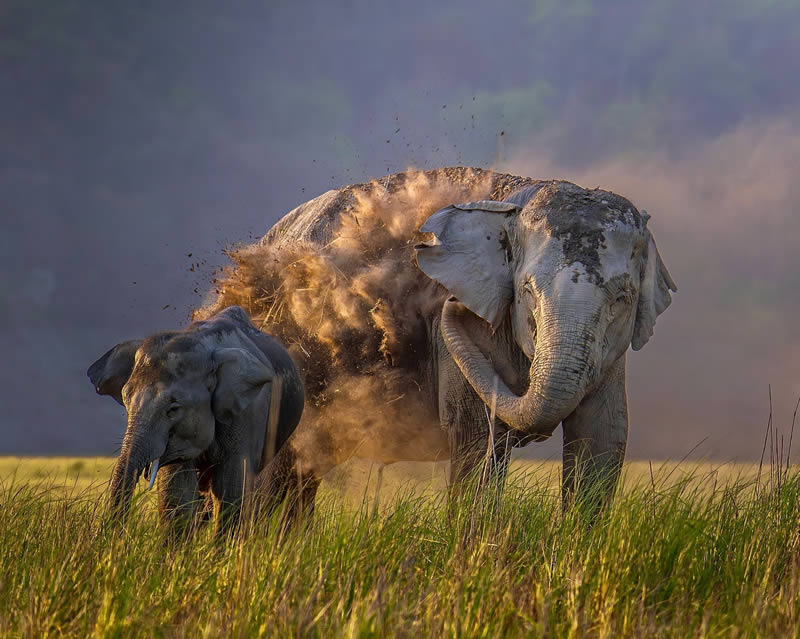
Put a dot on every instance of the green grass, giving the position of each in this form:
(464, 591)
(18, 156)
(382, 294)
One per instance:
(687, 551)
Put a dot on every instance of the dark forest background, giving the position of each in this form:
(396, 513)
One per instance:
(138, 140)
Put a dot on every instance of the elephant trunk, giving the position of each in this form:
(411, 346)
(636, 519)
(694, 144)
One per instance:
(133, 459)
(559, 372)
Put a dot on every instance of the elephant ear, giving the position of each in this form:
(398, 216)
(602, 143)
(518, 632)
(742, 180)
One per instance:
(470, 256)
(654, 297)
(240, 378)
(109, 373)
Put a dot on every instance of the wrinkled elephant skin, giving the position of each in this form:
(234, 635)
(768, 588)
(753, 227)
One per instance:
(208, 405)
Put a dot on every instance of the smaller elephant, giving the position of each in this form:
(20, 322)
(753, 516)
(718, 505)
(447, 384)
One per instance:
(209, 406)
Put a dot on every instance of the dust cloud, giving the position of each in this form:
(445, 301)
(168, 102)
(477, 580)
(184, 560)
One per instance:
(351, 309)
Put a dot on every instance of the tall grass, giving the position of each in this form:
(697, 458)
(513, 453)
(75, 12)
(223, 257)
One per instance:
(673, 556)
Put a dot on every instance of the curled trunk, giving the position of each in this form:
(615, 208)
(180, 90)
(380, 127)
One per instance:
(558, 373)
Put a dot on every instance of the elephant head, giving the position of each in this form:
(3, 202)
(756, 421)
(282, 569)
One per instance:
(576, 272)
(178, 391)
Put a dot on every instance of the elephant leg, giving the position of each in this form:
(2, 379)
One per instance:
(480, 447)
(595, 437)
(229, 482)
(205, 511)
(284, 483)
(178, 497)
(483, 456)
(479, 460)
(478, 452)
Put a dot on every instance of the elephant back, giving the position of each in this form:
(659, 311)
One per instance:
(316, 221)
(312, 222)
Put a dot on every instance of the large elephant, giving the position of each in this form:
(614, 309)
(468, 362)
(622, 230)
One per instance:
(209, 405)
(418, 328)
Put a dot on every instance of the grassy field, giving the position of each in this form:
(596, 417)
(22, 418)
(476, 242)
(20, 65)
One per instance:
(685, 551)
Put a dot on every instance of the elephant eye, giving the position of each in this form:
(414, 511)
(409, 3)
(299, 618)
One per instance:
(622, 298)
(528, 288)
(173, 410)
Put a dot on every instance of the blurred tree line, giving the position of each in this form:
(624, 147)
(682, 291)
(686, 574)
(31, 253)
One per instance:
(110, 94)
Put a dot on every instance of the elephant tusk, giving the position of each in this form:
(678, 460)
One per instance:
(153, 474)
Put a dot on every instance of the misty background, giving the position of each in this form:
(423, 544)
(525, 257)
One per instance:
(138, 140)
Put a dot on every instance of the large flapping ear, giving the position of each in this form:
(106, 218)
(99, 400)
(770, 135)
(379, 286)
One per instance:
(470, 256)
(109, 373)
(654, 296)
(240, 378)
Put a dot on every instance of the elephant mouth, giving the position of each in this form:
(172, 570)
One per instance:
(151, 468)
